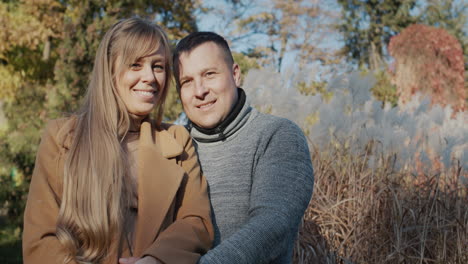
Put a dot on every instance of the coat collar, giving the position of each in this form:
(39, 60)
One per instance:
(159, 179)
(163, 142)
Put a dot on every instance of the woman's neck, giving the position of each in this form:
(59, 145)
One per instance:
(135, 122)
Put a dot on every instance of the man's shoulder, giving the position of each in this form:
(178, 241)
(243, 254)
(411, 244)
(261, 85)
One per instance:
(272, 123)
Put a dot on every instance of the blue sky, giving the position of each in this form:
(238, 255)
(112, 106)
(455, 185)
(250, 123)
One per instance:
(218, 19)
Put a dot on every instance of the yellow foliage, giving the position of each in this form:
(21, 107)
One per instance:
(29, 23)
(245, 63)
(48, 12)
(312, 119)
(21, 29)
(9, 83)
(315, 88)
(172, 107)
(263, 18)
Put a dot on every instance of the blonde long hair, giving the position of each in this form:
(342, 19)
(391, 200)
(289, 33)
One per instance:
(96, 188)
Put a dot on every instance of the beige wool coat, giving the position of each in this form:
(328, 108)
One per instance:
(173, 222)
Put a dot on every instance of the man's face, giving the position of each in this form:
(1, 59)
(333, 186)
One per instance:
(208, 85)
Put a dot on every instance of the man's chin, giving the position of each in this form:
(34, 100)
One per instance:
(206, 124)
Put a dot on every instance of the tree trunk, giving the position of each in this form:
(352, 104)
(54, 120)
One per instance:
(47, 47)
(375, 60)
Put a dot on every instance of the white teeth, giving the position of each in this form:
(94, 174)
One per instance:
(145, 93)
(206, 105)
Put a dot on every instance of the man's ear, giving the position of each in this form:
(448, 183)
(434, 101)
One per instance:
(236, 74)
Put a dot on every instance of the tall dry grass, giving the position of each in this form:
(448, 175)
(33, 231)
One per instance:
(390, 182)
(364, 214)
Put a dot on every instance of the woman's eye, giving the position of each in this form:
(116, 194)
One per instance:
(135, 65)
(158, 67)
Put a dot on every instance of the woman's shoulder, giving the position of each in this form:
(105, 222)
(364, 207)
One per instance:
(60, 130)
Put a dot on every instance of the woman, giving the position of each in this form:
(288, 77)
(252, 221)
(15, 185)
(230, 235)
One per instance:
(111, 185)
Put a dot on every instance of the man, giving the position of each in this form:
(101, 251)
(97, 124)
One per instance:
(258, 166)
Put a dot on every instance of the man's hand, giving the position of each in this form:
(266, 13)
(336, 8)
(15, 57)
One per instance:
(145, 260)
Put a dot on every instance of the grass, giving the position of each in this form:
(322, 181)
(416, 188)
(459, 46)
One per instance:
(360, 214)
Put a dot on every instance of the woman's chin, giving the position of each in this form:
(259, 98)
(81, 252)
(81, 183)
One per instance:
(143, 110)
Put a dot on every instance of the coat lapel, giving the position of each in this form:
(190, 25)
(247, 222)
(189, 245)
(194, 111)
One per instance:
(158, 181)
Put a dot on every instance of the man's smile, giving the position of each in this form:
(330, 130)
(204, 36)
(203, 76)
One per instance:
(207, 105)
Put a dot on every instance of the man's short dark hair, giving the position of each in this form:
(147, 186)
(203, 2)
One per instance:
(194, 40)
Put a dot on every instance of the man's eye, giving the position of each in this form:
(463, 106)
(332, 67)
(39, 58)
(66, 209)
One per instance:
(184, 82)
(210, 73)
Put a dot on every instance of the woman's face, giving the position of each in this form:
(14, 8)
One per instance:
(141, 83)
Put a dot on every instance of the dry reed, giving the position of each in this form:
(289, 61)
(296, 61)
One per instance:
(361, 214)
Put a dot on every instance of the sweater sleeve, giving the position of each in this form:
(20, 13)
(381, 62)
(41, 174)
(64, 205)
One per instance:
(40, 243)
(282, 186)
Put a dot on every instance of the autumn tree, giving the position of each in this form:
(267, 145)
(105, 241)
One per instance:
(450, 15)
(368, 25)
(27, 28)
(26, 68)
(429, 60)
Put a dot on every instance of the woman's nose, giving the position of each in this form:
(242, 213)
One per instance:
(148, 75)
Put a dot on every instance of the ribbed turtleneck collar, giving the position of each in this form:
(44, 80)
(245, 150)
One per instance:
(234, 121)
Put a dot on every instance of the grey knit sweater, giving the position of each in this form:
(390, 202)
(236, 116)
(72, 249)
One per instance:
(260, 182)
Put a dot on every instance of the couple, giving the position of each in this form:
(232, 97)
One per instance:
(112, 185)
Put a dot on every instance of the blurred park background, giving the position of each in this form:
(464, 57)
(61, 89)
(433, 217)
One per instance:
(378, 86)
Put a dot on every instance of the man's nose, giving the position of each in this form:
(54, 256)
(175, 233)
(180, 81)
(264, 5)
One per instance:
(200, 89)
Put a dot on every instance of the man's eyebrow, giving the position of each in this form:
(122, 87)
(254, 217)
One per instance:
(209, 68)
(203, 70)
(183, 78)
